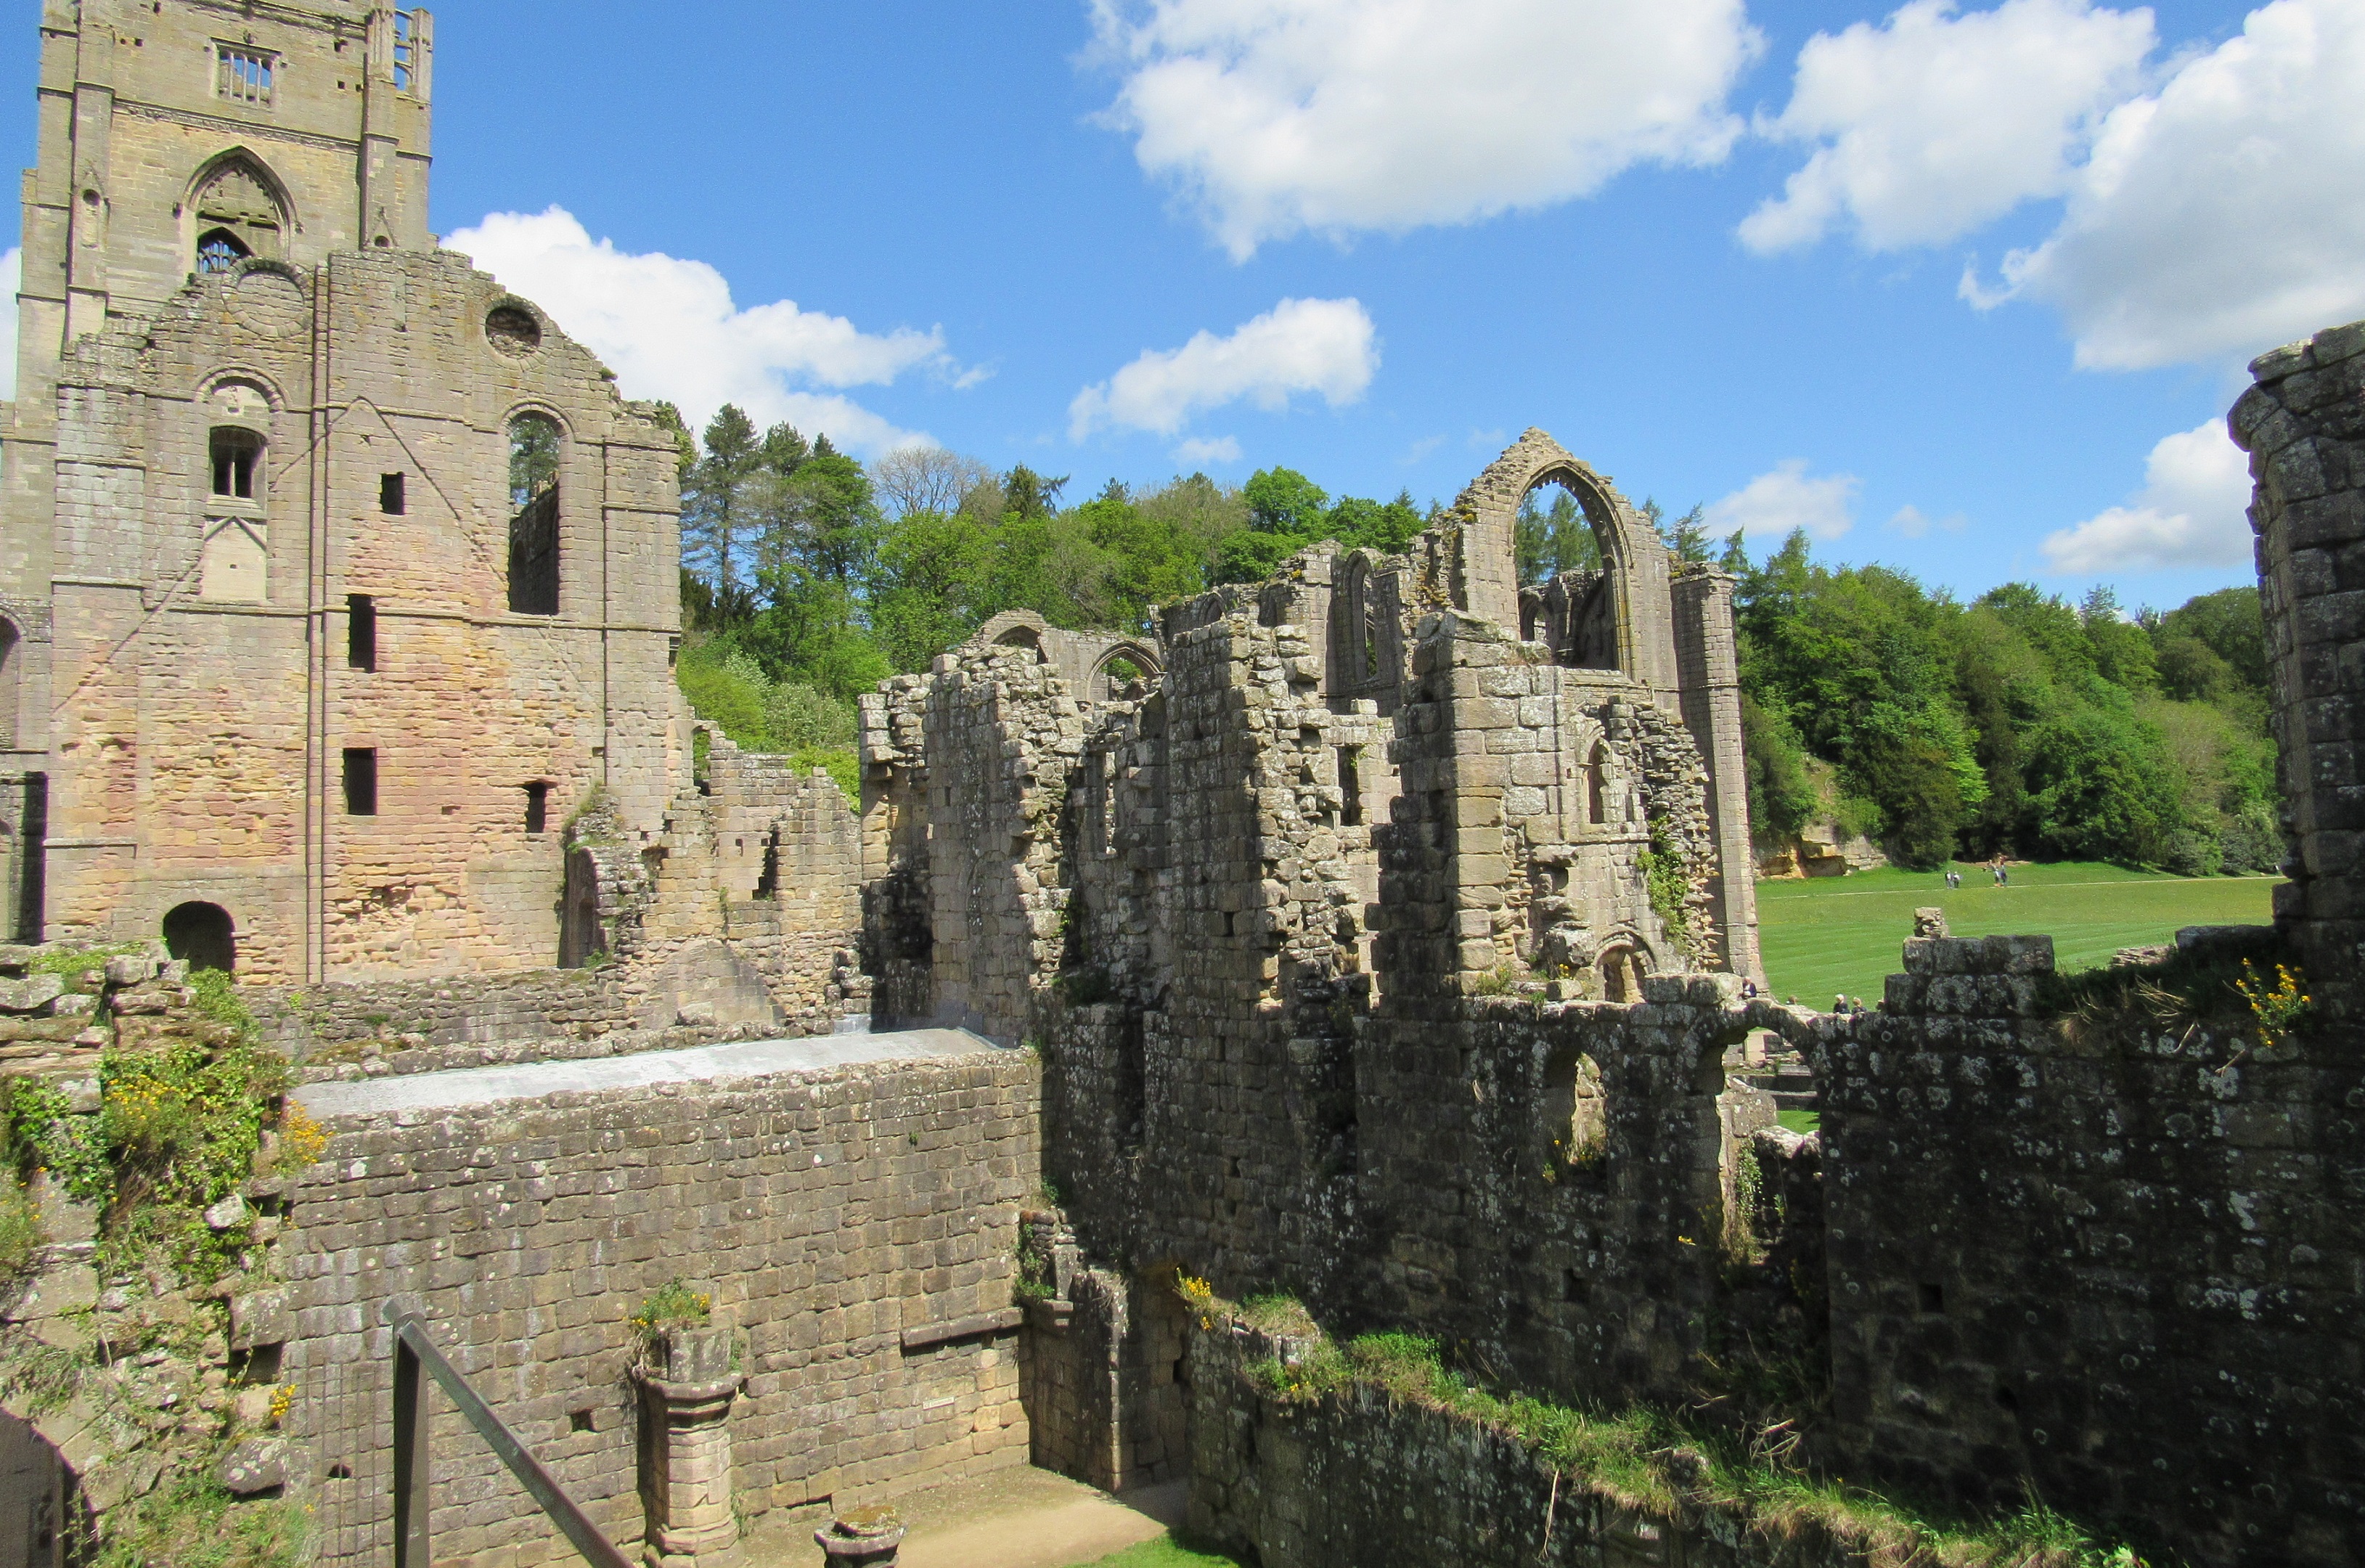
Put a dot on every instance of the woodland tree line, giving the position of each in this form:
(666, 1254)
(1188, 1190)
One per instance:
(2017, 722)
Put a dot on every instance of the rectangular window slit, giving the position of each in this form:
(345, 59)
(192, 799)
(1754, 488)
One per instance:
(245, 75)
(361, 632)
(233, 452)
(537, 807)
(361, 782)
(1350, 788)
(389, 494)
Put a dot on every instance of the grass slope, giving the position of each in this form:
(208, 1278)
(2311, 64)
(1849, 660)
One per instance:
(1843, 934)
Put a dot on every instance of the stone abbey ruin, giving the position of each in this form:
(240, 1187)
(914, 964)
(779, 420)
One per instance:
(1376, 933)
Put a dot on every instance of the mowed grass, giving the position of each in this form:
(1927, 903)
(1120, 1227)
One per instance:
(1825, 935)
(1163, 1552)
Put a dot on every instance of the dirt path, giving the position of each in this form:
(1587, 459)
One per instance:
(1014, 1518)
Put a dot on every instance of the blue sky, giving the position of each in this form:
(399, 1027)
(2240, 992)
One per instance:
(1408, 229)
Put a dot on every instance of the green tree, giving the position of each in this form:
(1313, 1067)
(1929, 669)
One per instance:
(1549, 540)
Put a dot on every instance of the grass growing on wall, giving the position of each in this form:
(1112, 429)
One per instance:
(1825, 935)
(1654, 1461)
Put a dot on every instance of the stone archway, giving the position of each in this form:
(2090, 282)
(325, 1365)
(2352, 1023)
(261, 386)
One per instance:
(1017, 629)
(1635, 562)
(1104, 682)
(202, 935)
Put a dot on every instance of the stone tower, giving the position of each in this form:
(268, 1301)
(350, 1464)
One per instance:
(333, 578)
(170, 130)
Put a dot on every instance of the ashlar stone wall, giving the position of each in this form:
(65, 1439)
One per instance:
(856, 1229)
(204, 715)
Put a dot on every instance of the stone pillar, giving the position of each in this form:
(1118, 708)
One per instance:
(685, 1448)
(2300, 425)
(1708, 664)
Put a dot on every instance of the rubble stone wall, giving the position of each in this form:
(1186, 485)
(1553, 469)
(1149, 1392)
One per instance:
(1325, 1484)
(2303, 426)
(857, 1228)
(2122, 1258)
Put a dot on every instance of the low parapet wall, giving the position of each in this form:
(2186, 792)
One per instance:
(855, 1226)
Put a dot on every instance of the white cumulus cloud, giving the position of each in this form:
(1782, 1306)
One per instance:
(1325, 346)
(1276, 116)
(669, 330)
(1775, 503)
(1933, 123)
(2219, 215)
(2191, 513)
(1913, 522)
(1222, 449)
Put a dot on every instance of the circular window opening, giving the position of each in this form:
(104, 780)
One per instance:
(513, 331)
(202, 935)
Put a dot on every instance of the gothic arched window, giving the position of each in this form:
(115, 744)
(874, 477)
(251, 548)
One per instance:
(219, 251)
(237, 214)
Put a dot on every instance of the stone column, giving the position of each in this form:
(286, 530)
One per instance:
(685, 1400)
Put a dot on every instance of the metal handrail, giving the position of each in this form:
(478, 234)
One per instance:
(415, 1354)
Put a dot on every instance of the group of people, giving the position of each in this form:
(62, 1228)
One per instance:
(1996, 869)
(1844, 1005)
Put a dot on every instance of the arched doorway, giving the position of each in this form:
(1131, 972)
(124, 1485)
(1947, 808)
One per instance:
(204, 935)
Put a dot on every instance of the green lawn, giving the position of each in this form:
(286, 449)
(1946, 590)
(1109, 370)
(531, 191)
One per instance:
(1163, 1552)
(1824, 935)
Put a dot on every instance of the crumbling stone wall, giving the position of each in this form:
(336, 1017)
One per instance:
(2303, 426)
(2120, 1258)
(1327, 1484)
(855, 1228)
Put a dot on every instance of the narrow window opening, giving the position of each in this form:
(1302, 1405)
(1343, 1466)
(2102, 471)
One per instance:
(533, 526)
(361, 782)
(234, 452)
(243, 75)
(537, 807)
(1597, 808)
(406, 52)
(1350, 787)
(361, 632)
(389, 494)
(1933, 1297)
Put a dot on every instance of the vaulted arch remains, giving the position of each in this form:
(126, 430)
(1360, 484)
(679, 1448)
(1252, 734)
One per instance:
(1614, 617)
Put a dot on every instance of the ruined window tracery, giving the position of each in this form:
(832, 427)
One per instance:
(219, 251)
(237, 214)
